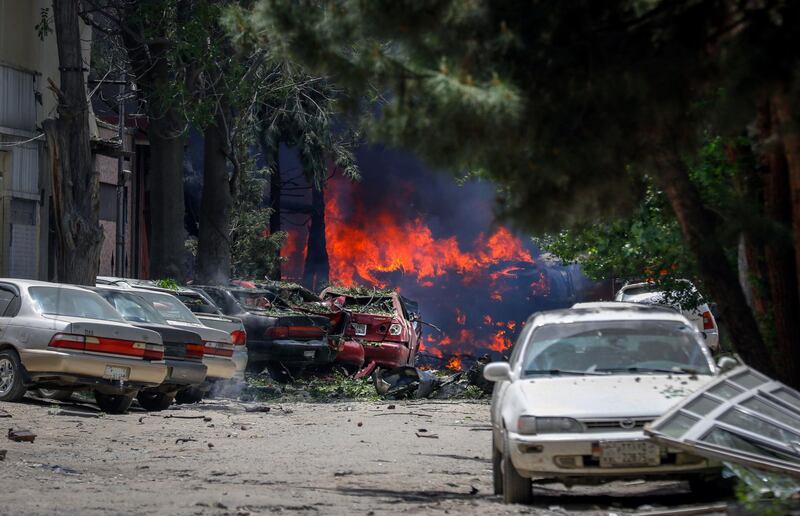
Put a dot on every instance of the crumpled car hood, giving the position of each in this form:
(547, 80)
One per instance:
(632, 395)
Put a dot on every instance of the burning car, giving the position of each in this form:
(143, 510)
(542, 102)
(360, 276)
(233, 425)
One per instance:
(280, 338)
(386, 324)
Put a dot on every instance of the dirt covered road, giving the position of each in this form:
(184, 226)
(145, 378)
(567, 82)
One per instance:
(298, 458)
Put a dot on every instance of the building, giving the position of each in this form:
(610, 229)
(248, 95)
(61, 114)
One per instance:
(27, 238)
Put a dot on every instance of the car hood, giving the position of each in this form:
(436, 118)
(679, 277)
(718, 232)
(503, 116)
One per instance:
(607, 396)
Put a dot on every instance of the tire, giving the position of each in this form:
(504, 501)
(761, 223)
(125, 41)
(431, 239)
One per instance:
(113, 403)
(516, 488)
(55, 394)
(497, 469)
(11, 386)
(283, 374)
(155, 401)
(189, 395)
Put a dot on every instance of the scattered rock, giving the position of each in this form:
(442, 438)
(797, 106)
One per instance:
(360, 423)
(3, 454)
(210, 445)
(21, 435)
(391, 407)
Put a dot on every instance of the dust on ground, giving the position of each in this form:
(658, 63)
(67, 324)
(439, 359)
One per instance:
(225, 457)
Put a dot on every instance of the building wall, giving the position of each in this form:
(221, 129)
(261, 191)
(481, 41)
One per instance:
(27, 64)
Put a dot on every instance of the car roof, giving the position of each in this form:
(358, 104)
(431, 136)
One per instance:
(607, 311)
(37, 283)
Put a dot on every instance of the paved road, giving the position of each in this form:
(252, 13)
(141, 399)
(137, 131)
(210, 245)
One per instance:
(300, 458)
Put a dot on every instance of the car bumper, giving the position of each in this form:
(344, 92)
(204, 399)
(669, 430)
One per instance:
(185, 372)
(574, 455)
(58, 367)
(219, 368)
(289, 351)
(386, 354)
(240, 361)
(351, 353)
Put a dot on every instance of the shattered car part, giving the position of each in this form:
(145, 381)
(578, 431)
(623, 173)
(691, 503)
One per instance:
(743, 417)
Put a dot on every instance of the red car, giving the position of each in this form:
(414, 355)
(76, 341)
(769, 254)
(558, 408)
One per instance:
(383, 322)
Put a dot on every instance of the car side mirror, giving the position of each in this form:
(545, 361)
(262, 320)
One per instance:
(727, 363)
(497, 372)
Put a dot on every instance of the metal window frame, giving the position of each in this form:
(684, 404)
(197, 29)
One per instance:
(692, 439)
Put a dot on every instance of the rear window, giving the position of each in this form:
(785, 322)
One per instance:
(197, 304)
(169, 307)
(70, 302)
(254, 300)
(133, 308)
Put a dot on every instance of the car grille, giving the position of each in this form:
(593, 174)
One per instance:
(610, 425)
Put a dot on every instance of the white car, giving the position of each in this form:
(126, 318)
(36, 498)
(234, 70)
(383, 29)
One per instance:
(580, 386)
(701, 316)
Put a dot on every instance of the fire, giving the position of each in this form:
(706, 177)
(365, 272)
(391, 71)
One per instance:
(500, 342)
(294, 250)
(454, 364)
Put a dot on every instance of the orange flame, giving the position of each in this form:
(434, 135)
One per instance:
(454, 364)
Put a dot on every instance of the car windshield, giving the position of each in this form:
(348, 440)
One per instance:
(255, 299)
(70, 302)
(197, 304)
(133, 308)
(169, 307)
(615, 347)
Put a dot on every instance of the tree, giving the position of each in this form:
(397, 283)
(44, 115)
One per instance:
(565, 104)
(76, 186)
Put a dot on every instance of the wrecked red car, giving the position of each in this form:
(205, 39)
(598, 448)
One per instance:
(383, 322)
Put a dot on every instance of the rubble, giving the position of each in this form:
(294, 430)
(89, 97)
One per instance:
(21, 435)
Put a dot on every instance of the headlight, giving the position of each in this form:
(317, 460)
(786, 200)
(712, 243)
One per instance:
(530, 425)
(395, 329)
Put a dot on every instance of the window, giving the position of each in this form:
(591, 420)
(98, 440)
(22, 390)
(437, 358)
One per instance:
(70, 302)
(108, 202)
(133, 308)
(169, 307)
(6, 297)
(616, 347)
(744, 418)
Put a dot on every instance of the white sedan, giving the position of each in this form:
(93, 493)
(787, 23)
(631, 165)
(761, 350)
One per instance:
(581, 384)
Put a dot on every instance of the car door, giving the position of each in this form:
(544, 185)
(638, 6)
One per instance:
(9, 306)
(744, 417)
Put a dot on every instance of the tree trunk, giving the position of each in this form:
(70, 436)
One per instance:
(699, 228)
(76, 186)
(784, 124)
(166, 134)
(214, 247)
(317, 268)
(780, 257)
(275, 198)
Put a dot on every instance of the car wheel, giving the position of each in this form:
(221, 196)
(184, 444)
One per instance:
(11, 386)
(497, 469)
(189, 395)
(155, 401)
(113, 403)
(55, 394)
(281, 373)
(516, 488)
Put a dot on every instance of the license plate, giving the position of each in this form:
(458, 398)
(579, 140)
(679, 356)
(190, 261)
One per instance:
(629, 454)
(117, 373)
(360, 329)
(308, 354)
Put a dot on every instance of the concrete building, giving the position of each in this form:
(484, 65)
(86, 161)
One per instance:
(27, 64)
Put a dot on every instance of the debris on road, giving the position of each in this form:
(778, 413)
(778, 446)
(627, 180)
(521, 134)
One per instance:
(427, 436)
(257, 408)
(3, 413)
(184, 440)
(21, 435)
(3, 454)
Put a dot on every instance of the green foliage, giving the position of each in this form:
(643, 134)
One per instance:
(167, 283)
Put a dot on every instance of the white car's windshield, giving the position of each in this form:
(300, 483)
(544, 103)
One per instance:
(70, 302)
(169, 306)
(615, 347)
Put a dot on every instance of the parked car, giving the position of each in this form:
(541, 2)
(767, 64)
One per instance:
(382, 321)
(217, 344)
(349, 354)
(280, 338)
(580, 386)
(203, 308)
(183, 349)
(65, 337)
(701, 315)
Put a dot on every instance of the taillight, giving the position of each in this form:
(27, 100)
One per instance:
(194, 351)
(218, 349)
(103, 345)
(239, 338)
(708, 321)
